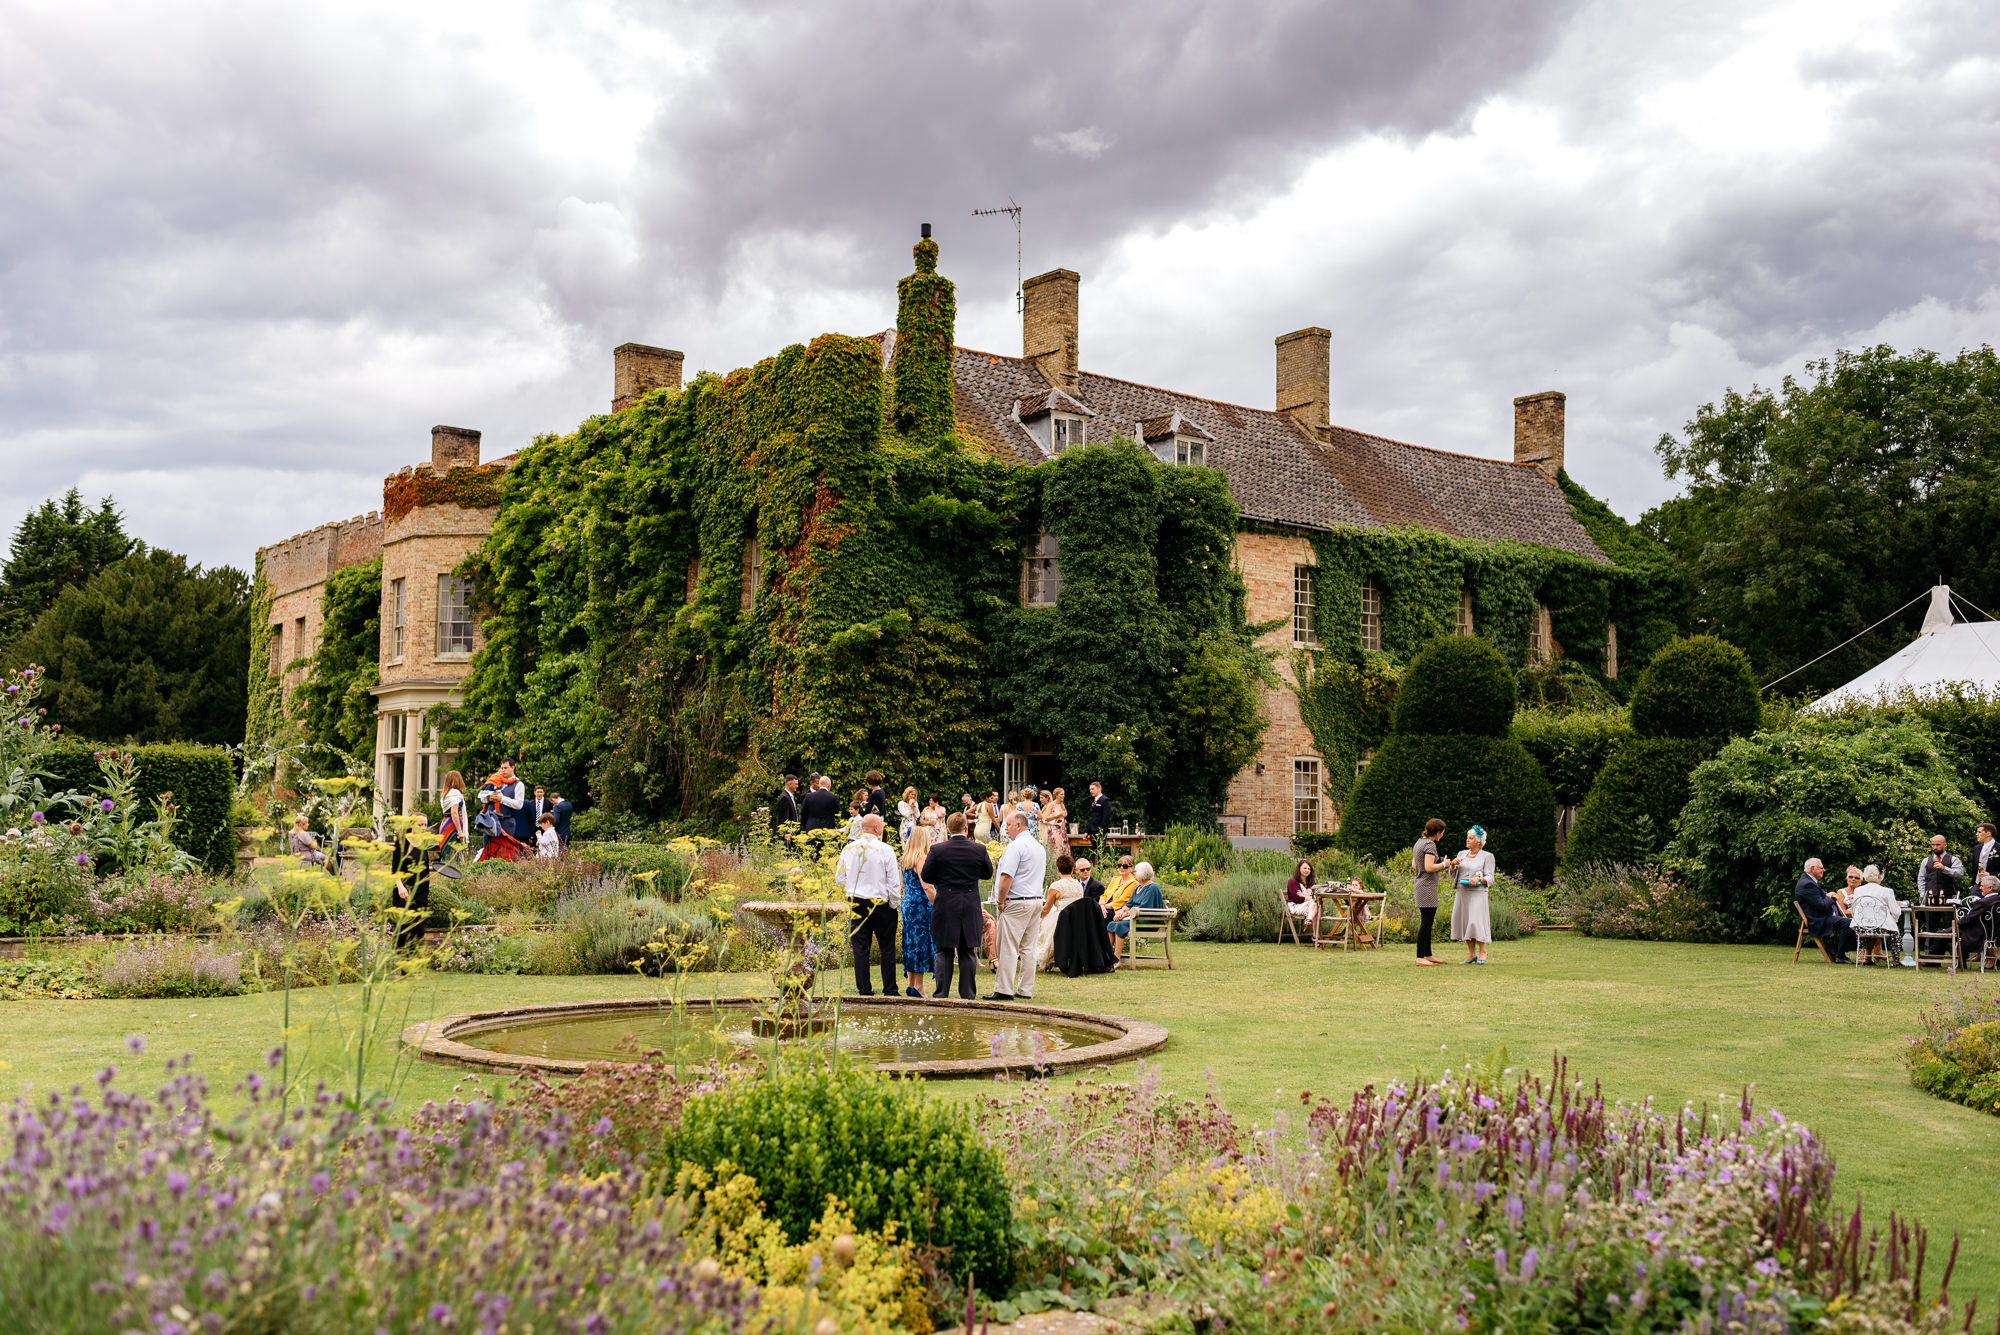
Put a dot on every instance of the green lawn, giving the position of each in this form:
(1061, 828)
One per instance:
(1665, 1022)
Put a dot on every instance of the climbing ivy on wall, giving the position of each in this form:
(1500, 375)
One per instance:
(1348, 691)
(334, 705)
(266, 721)
(883, 629)
(474, 488)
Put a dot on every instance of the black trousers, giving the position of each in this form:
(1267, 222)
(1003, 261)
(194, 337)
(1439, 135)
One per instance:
(968, 967)
(874, 919)
(1425, 917)
(1839, 935)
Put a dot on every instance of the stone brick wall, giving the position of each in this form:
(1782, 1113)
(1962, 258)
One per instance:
(1305, 379)
(417, 548)
(1049, 325)
(295, 573)
(1265, 800)
(637, 370)
(1538, 431)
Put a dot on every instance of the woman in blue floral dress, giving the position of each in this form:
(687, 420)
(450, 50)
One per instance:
(918, 952)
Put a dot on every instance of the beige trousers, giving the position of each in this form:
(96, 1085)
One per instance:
(1019, 927)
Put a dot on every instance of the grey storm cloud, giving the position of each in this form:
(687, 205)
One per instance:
(248, 257)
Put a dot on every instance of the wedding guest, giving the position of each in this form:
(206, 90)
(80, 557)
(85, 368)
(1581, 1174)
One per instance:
(867, 871)
(932, 816)
(1055, 822)
(988, 819)
(303, 844)
(562, 811)
(548, 844)
(455, 825)
(1093, 889)
(1426, 863)
(1098, 823)
(1940, 875)
(1986, 851)
(1063, 891)
(1874, 908)
(857, 807)
(1122, 884)
(952, 870)
(1145, 894)
(785, 810)
(1080, 944)
(1299, 899)
(906, 815)
(877, 799)
(411, 868)
(1018, 899)
(822, 808)
(1471, 914)
(919, 951)
(1844, 896)
(1824, 920)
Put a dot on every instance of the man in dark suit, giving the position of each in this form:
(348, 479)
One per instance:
(1098, 823)
(1823, 917)
(822, 808)
(560, 808)
(542, 803)
(878, 797)
(785, 811)
(1093, 889)
(1985, 852)
(955, 866)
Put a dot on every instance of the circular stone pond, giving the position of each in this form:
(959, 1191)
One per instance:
(936, 1039)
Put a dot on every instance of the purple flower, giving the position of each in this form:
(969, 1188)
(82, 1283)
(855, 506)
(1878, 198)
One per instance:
(177, 1181)
(440, 1313)
(105, 806)
(37, 818)
(136, 1042)
(83, 859)
(1528, 1265)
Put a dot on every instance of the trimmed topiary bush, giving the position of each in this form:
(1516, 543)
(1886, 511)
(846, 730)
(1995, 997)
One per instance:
(1572, 749)
(1693, 697)
(1464, 689)
(1696, 687)
(1458, 765)
(881, 1146)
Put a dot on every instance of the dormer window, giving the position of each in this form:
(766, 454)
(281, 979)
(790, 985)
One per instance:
(1064, 431)
(1173, 439)
(1055, 418)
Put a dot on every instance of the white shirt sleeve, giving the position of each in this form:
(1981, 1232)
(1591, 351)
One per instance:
(843, 871)
(513, 803)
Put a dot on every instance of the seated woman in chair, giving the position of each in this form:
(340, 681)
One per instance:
(1874, 911)
(303, 844)
(1146, 894)
(1299, 899)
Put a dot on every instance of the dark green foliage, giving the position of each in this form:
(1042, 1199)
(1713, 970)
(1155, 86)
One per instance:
(334, 704)
(886, 630)
(1571, 748)
(151, 649)
(1459, 685)
(199, 777)
(1489, 781)
(1965, 722)
(1629, 815)
(1814, 511)
(920, 376)
(1844, 791)
(1346, 707)
(58, 546)
(1696, 687)
(1565, 686)
(1651, 595)
(884, 1148)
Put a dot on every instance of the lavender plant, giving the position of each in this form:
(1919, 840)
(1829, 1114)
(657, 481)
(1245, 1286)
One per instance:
(123, 1213)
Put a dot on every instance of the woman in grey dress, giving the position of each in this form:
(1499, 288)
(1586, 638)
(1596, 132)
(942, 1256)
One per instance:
(1471, 917)
(1426, 863)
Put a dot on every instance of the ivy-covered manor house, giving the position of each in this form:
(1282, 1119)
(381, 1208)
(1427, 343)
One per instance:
(968, 569)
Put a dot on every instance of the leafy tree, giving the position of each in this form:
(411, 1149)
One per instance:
(1846, 791)
(150, 649)
(57, 547)
(1817, 510)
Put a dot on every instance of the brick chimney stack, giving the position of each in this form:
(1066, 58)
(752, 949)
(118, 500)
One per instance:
(1538, 431)
(454, 447)
(637, 370)
(1048, 326)
(1305, 377)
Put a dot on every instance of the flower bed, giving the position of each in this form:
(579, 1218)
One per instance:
(1956, 1054)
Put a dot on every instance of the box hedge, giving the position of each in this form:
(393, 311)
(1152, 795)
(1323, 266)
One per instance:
(1572, 749)
(200, 778)
(1450, 757)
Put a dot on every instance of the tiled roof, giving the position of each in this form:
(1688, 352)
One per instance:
(1278, 472)
(1169, 424)
(1052, 400)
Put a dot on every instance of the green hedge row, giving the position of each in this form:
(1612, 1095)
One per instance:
(199, 777)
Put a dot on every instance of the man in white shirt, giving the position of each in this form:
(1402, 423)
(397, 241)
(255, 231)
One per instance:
(874, 883)
(1018, 886)
(1983, 852)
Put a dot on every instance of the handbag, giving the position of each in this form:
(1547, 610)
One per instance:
(486, 822)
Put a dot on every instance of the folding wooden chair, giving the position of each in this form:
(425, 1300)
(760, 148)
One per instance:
(1288, 922)
(1805, 935)
(1151, 925)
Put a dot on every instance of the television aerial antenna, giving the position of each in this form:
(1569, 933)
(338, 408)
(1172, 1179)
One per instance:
(1013, 211)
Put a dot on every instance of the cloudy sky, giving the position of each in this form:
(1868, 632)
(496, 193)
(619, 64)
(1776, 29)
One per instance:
(250, 254)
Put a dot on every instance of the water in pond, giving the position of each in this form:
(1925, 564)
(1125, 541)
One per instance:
(899, 1035)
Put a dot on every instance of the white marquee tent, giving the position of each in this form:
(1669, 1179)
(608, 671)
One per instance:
(1945, 652)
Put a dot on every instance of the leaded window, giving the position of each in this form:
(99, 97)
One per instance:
(1306, 795)
(454, 616)
(1041, 573)
(1371, 617)
(1303, 634)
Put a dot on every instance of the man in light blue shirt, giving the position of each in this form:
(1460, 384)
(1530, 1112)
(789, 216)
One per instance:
(1018, 887)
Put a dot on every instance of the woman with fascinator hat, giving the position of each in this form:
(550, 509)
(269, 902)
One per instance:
(1471, 914)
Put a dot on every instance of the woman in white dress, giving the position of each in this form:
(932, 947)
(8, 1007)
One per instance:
(1471, 915)
(1063, 891)
(906, 816)
(1875, 908)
